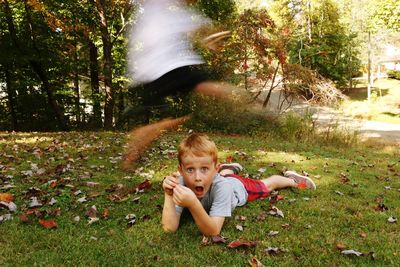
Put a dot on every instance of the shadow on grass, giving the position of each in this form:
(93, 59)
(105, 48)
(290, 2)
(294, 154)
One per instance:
(391, 114)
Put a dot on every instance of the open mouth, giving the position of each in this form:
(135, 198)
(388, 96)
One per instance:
(199, 190)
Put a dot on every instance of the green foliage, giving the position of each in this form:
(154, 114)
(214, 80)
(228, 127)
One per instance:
(218, 10)
(227, 117)
(296, 127)
(394, 74)
(324, 44)
(387, 14)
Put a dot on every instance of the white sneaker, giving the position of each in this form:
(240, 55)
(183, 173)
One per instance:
(303, 182)
(235, 167)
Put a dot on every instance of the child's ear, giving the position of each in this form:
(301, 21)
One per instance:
(180, 169)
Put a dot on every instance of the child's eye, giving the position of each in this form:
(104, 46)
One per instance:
(189, 170)
(204, 169)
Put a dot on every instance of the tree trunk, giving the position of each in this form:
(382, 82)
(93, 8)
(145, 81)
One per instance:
(271, 87)
(11, 99)
(95, 85)
(107, 65)
(309, 23)
(77, 91)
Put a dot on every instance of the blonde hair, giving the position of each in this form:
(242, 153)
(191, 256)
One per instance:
(198, 145)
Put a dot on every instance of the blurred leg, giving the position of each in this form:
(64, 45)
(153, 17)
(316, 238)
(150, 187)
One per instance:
(140, 138)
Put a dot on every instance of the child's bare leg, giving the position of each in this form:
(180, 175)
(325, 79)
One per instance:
(216, 89)
(291, 179)
(275, 182)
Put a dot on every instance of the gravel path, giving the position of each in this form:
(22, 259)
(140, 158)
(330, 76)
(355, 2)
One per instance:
(325, 117)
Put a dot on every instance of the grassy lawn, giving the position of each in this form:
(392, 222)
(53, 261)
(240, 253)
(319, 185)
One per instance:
(358, 191)
(384, 105)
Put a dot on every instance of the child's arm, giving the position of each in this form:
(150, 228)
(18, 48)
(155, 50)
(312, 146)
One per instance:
(170, 218)
(208, 226)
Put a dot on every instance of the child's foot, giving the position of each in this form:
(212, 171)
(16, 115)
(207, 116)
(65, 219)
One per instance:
(235, 167)
(303, 182)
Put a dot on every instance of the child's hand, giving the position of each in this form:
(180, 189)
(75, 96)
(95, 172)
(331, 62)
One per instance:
(183, 196)
(170, 182)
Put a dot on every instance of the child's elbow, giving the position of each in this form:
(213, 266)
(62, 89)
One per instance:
(169, 228)
(211, 232)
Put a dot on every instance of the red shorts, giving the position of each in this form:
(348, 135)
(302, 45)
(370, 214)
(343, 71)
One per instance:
(255, 188)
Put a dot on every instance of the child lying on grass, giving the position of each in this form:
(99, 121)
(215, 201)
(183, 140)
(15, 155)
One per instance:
(211, 193)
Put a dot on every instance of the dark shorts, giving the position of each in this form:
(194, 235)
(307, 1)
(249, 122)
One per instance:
(255, 188)
(180, 80)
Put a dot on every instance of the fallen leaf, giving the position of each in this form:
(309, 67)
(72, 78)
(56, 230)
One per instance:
(136, 200)
(240, 218)
(273, 233)
(6, 197)
(131, 219)
(91, 212)
(239, 227)
(273, 250)
(106, 213)
(218, 239)
(82, 199)
(351, 252)
(343, 178)
(24, 218)
(9, 205)
(239, 243)
(5, 217)
(340, 246)
(262, 216)
(92, 220)
(143, 185)
(34, 203)
(55, 212)
(254, 262)
(53, 184)
(276, 198)
(48, 224)
(92, 184)
(274, 211)
(392, 219)
(52, 201)
(363, 234)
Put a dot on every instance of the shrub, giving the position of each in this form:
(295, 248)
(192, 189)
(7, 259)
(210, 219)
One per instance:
(227, 117)
(394, 74)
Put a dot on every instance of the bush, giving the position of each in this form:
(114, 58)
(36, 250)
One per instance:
(394, 74)
(227, 117)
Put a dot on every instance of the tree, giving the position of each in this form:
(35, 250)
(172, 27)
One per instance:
(322, 42)
(387, 14)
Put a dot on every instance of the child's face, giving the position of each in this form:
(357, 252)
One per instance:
(198, 173)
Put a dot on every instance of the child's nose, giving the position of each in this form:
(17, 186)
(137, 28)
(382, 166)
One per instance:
(197, 175)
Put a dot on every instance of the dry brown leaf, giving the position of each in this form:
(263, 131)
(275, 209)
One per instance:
(48, 224)
(6, 197)
(254, 262)
(240, 243)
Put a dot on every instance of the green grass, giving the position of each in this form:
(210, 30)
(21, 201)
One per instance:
(318, 220)
(384, 105)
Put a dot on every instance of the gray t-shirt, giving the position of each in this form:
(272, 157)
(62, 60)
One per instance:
(225, 194)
